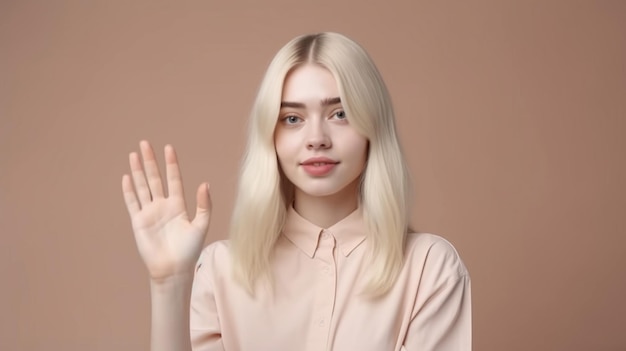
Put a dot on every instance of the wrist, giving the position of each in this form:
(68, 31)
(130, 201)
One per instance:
(182, 280)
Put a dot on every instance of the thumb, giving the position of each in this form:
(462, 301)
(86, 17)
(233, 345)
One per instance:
(203, 209)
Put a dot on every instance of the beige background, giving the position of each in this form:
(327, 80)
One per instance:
(513, 115)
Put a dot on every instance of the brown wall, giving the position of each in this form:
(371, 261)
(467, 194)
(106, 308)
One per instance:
(513, 114)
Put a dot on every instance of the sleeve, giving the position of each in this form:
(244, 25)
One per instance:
(204, 323)
(442, 315)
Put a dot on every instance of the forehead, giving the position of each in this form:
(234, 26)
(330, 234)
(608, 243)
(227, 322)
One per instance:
(309, 83)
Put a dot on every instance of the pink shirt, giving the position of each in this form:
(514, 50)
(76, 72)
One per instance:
(316, 302)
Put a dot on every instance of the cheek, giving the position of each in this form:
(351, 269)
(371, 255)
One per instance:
(357, 152)
(282, 146)
(278, 140)
(360, 148)
(364, 154)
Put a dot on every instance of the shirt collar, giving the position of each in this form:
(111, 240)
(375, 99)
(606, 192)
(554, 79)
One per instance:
(348, 233)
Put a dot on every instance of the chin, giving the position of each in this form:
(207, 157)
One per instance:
(318, 192)
(322, 190)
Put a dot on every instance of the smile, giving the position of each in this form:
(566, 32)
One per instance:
(318, 168)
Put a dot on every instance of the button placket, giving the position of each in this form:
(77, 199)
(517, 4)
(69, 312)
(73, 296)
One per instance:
(325, 293)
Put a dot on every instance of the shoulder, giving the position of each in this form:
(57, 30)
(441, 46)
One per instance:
(214, 258)
(219, 247)
(434, 256)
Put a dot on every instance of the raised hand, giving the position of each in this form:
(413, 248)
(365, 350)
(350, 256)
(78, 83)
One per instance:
(168, 241)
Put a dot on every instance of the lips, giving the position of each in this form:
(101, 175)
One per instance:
(318, 160)
(318, 166)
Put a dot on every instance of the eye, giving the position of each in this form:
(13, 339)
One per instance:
(292, 119)
(341, 114)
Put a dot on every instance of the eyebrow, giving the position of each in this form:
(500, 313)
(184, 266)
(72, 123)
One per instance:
(324, 102)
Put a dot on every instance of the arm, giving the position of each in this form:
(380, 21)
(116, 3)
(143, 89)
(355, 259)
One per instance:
(205, 327)
(445, 321)
(168, 241)
(442, 316)
(170, 313)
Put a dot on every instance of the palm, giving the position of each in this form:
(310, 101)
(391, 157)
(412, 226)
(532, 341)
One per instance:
(168, 242)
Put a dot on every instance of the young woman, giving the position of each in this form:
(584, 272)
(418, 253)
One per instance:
(320, 255)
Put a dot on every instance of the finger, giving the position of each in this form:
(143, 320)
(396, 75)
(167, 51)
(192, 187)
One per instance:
(139, 178)
(132, 205)
(204, 207)
(203, 197)
(151, 169)
(172, 170)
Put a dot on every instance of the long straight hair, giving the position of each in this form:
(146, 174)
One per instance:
(264, 194)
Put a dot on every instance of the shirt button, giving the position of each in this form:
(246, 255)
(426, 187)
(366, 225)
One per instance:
(326, 269)
(322, 323)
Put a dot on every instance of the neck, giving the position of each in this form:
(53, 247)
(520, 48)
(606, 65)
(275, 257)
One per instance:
(324, 211)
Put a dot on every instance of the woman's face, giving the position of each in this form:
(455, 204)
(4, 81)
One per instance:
(318, 150)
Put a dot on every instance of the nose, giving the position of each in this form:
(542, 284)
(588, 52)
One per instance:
(318, 137)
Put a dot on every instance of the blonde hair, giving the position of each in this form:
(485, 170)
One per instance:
(264, 195)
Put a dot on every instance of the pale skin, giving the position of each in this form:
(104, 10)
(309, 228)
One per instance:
(170, 243)
(312, 123)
